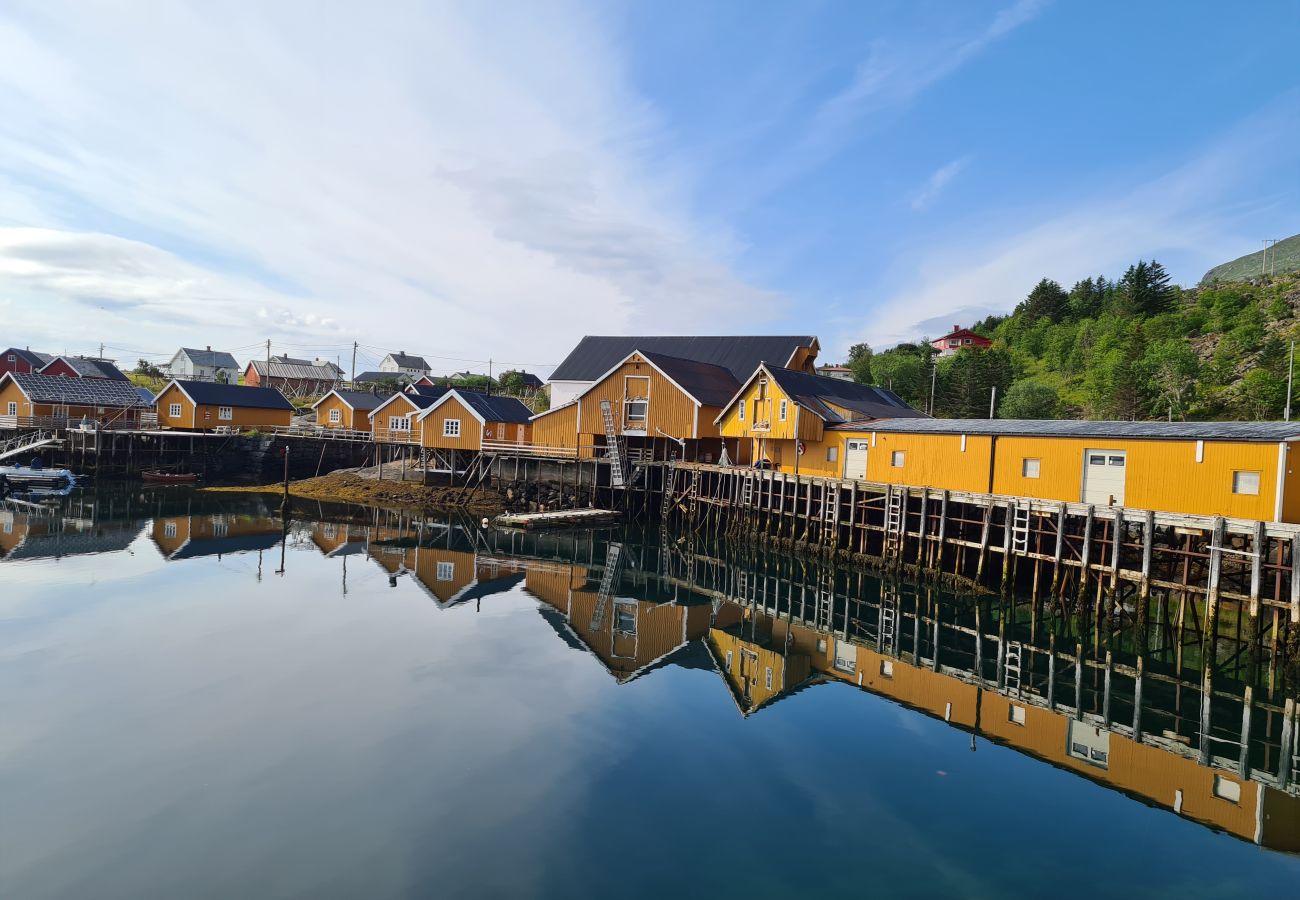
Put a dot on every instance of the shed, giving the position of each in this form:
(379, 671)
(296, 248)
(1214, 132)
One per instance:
(50, 400)
(347, 410)
(204, 405)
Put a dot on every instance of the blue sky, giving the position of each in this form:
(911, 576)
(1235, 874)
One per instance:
(493, 181)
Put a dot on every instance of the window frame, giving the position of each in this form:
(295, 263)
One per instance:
(740, 411)
(1238, 485)
(174, 411)
(897, 459)
(832, 454)
(399, 423)
(13, 407)
(783, 409)
(225, 414)
(1031, 467)
(451, 428)
(445, 571)
(336, 415)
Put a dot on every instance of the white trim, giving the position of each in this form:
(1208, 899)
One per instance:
(404, 397)
(1200, 451)
(762, 369)
(1282, 450)
(649, 363)
(695, 430)
(423, 414)
(176, 381)
(553, 409)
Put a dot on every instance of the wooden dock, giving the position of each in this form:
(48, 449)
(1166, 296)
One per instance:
(558, 519)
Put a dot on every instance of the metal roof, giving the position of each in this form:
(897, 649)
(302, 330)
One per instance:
(595, 355)
(299, 369)
(209, 393)
(1208, 431)
(358, 400)
(91, 368)
(407, 361)
(377, 377)
(215, 358)
(30, 357)
(813, 392)
(78, 391)
(496, 409)
(710, 384)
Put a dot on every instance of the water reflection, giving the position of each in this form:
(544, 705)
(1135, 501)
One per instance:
(1141, 705)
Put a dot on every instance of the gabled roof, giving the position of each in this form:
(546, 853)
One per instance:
(428, 390)
(360, 401)
(485, 408)
(217, 359)
(299, 369)
(711, 385)
(419, 401)
(595, 355)
(407, 361)
(209, 393)
(30, 357)
(1268, 432)
(77, 391)
(377, 377)
(90, 368)
(815, 393)
(220, 546)
(959, 332)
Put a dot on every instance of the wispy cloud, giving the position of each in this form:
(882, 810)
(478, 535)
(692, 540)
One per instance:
(433, 173)
(929, 192)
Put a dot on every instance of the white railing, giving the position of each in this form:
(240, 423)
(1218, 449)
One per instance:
(540, 450)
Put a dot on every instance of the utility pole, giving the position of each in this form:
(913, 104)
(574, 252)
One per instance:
(352, 380)
(101, 349)
(934, 374)
(993, 401)
(1290, 379)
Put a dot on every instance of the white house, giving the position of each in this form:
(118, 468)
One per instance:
(203, 365)
(404, 364)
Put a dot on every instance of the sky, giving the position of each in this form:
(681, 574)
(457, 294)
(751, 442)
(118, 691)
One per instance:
(491, 181)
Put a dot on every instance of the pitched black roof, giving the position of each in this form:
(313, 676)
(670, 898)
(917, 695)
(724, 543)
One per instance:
(377, 377)
(78, 391)
(1209, 431)
(496, 409)
(28, 356)
(813, 392)
(358, 400)
(215, 358)
(596, 355)
(527, 379)
(710, 384)
(93, 368)
(407, 361)
(429, 390)
(209, 393)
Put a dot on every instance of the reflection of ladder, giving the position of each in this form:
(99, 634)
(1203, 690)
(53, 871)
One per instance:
(1020, 528)
(669, 473)
(888, 624)
(608, 581)
(747, 490)
(613, 447)
(1011, 667)
(825, 611)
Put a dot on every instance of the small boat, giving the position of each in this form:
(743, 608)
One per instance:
(22, 478)
(155, 477)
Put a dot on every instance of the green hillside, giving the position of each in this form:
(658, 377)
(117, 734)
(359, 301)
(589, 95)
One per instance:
(1136, 347)
(1283, 258)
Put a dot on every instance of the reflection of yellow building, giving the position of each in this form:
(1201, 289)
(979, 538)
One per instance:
(448, 576)
(757, 663)
(27, 536)
(628, 636)
(1247, 808)
(334, 539)
(186, 537)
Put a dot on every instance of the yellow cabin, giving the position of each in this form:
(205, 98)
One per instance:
(1233, 469)
(205, 405)
(47, 399)
(346, 410)
(392, 421)
(784, 417)
(460, 424)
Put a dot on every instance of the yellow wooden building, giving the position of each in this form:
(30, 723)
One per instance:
(1232, 469)
(657, 404)
(346, 410)
(461, 423)
(778, 412)
(393, 420)
(206, 405)
(53, 400)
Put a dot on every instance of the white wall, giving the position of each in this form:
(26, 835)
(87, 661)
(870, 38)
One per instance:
(564, 391)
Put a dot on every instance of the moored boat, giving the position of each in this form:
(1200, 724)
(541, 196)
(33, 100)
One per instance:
(155, 477)
(26, 477)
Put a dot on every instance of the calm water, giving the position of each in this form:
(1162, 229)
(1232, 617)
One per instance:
(203, 700)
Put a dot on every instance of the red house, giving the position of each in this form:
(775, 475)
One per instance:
(23, 362)
(83, 367)
(959, 339)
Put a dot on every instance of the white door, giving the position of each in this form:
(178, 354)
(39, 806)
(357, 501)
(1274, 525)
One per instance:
(855, 459)
(1103, 476)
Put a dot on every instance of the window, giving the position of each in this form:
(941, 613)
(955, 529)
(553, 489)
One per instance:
(625, 618)
(451, 428)
(1016, 714)
(887, 668)
(966, 341)
(832, 454)
(225, 413)
(399, 423)
(1114, 460)
(636, 410)
(729, 660)
(336, 415)
(896, 459)
(13, 408)
(1226, 789)
(1096, 460)
(12, 358)
(174, 410)
(1029, 467)
(328, 530)
(169, 529)
(1245, 483)
(740, 411)
(768, 680)
(784, 404)
(220, 529)
(446, 571)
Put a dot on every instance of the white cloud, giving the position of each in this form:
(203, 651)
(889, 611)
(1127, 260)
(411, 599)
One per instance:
(923, 198)
(459, 179)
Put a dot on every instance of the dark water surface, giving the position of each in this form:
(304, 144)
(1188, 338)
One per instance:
(200, 700)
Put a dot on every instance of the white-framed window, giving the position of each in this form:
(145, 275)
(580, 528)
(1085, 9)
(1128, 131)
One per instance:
(12, 358)
(328, 530)
(1245, 483)
(1227, 789)
(729, 660)
(446, 571)
(625, 618)
(1016, 714)
(1029, 468)
(832, 454)
(169, 529)
(220, 529)
(784, 404)
(225, 413)
(740, 411)
(174, 410)
(451, 427)
(13, 408)
(887, 668)
(897, 458)
(768, 679)
(336, 416)
(399, 423)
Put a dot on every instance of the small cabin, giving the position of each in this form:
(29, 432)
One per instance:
(391, 422)
(346, 410)
(207, 405)
(460, 424)
(48, 400)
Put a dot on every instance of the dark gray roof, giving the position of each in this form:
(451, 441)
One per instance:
(28, 356)
(1208, 431)
(527, 379)
(409, 362)
(359, 400)
(419, 401)
(596, 355)
(209, 393)
(814, 391)
(496, 409)
(377, 377)
(78, 391)
(92, 368)
(108, 538)
(711, 385)
(430, 390)
(298, 369)
(215, 358)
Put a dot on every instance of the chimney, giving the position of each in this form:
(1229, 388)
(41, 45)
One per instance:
(209, 348)
(956, 328)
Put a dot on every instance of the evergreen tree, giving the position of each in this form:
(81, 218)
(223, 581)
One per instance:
(1144, 290)
(1046, 301)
